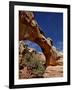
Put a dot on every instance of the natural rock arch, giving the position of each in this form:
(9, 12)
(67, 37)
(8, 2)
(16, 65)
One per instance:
(30, 30)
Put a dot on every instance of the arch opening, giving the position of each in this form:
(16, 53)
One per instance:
(33, 45)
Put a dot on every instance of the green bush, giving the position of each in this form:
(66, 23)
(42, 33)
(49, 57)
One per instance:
(35, 64)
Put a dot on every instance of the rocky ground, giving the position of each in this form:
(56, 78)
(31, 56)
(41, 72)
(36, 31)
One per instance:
(53, 71)
(35, 68)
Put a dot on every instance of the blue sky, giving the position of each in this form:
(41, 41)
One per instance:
(52, 26)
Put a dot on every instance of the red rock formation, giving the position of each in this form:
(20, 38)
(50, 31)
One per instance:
(30, 30)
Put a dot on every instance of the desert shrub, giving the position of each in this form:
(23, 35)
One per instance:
(36, 66)
(30, 60)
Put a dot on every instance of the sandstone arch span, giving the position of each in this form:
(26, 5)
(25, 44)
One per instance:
(30, 30)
